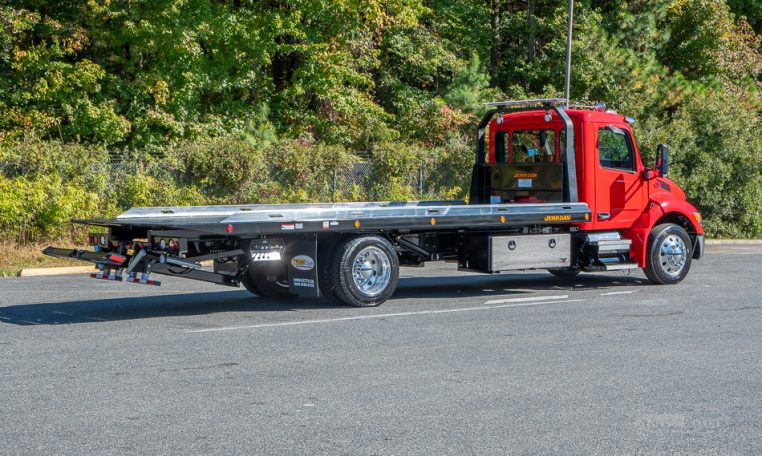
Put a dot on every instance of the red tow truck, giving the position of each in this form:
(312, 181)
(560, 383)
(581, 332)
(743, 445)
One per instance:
(555, 187)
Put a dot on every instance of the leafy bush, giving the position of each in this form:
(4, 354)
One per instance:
(34, 157)
(394, 172)
(717, 159)
(447, 169)
(41, 208)
(221, 167)
(303, 170)
(141, 188)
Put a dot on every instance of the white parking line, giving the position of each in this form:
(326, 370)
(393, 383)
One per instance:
(618, 292)
(533, 298)
(397, 314)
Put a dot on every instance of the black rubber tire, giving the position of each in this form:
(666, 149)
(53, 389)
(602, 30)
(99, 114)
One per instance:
(248, 283)
(267, 279)
(564, 273)
(654, 270)
(340, 273)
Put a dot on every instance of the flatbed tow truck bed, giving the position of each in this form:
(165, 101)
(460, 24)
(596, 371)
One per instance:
(246, 241)
(244, 220)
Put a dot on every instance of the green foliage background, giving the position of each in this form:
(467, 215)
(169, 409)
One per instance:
(260, 101)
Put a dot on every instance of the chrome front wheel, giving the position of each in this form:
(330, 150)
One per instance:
(668, 257)
(673, 255)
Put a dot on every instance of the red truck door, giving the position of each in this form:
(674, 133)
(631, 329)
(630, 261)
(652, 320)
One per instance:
(619, 186)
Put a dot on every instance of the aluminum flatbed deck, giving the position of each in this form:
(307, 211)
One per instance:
(242, 220)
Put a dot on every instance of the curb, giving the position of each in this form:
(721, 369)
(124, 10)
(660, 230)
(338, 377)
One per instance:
(734, 241)
(37, 272)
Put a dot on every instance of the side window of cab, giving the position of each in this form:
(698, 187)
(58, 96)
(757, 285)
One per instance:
(615, 149)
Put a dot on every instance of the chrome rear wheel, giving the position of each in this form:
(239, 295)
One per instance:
(371, 271)
(364, 271)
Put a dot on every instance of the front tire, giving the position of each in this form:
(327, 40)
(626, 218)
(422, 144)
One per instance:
(364, 271)
(668, 258)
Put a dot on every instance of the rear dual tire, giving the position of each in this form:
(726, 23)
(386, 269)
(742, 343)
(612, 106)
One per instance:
(360, 271)
(267, 279)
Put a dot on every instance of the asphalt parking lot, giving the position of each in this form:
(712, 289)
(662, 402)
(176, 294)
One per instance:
(456, 363)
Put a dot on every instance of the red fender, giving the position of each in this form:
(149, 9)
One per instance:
(659, 206)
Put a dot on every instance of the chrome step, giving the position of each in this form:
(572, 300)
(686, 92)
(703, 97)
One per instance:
(608, 251)
(611, 247)
(621, 266)
(607, 243)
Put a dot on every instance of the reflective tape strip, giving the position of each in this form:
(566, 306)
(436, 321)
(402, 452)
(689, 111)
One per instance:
(144, 281)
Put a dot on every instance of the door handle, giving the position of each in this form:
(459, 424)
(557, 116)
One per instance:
(604, 216)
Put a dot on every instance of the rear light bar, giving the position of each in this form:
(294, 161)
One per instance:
(100, 239)
(93, 239)
(166, 244)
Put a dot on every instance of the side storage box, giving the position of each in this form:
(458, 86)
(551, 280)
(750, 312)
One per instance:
(539, 251)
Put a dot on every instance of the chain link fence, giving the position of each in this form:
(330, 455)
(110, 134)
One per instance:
(346, 183)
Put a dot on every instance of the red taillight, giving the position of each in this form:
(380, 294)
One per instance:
(117, 258)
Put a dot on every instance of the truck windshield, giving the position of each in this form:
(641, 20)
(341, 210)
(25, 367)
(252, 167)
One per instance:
(533, 146)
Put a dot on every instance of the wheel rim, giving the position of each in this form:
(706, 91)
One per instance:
(371, 271)
(673, 255)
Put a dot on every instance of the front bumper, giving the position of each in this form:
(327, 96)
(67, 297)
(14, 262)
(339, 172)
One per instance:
(698, 247)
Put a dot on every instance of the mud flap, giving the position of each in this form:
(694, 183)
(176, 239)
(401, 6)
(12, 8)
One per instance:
(698, 247)
(301, 258)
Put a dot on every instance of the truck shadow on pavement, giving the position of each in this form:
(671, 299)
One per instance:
(506, 285)
(208, 303)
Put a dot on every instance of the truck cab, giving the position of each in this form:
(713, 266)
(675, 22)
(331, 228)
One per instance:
(523, 157)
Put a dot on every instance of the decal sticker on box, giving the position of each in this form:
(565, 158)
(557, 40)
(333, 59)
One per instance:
(303, 263)
(291, 226)
(304, 283)
(558, 218)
